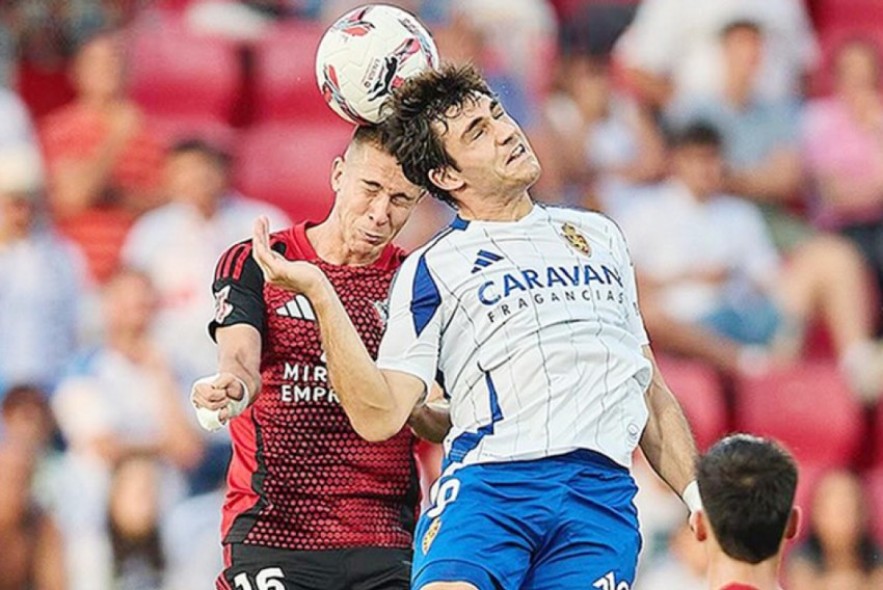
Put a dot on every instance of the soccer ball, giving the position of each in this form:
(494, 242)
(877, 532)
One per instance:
(368, 53)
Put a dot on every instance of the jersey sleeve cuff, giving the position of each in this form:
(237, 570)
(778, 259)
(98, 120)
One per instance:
(410, 369)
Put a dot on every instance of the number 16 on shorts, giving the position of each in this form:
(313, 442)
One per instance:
(267, 579)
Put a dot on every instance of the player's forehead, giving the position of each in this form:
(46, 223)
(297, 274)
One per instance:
(372, 165)
(459, 116)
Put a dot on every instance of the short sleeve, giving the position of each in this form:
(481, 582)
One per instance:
(238, 290)
(412, 338)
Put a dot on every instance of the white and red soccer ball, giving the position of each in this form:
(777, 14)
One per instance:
(366, 54)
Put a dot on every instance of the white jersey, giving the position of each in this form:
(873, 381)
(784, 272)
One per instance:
(533, 329)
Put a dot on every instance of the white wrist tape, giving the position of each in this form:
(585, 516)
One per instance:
(691, 497)
(210, 419)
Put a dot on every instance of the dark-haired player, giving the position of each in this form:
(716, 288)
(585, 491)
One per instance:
(310, 504)
(747, 485)
(528, 315)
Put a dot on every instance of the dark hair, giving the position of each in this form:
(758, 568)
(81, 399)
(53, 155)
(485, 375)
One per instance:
(696, 133)
(747, 486)
(201, 146)
(740, 24)
(21, 395)
(425, 99)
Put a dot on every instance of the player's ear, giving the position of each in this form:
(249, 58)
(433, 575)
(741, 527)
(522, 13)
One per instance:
(337, 167)
(446, 179)
(699, 526)
(793, 525)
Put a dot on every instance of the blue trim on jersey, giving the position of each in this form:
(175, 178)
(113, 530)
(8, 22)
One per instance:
(459, 223)
(425, 298)
(467, 441)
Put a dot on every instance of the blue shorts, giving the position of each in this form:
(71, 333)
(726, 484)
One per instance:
(555, 523)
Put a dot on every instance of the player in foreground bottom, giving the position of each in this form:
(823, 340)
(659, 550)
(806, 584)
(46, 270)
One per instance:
(310, 504)
(747, 485)
(528, 316)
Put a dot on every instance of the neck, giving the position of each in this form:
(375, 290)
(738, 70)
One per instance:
(329, 242)
(738, 89)
(511, 209)
(723, 570)
(129, 342)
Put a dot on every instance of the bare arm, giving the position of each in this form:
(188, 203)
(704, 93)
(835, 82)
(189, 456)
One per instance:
(777, 180)
(239, 362)
(49, 570)
(667, 441)
(432, 420)
(79, 182)
(377, 402)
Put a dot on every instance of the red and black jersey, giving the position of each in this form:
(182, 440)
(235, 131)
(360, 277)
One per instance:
(300, 477)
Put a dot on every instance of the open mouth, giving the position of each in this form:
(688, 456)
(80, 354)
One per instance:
(519, 151)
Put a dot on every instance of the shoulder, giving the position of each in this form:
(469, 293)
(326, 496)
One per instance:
(594, 222)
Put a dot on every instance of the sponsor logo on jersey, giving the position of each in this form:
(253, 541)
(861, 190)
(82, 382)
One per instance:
(430, 535)
(576, 240)
(223, 307)
(492, 291)
(297, 308)
(484, 259)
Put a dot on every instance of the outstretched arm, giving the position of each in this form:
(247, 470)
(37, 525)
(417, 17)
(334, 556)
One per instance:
(667, 441)
(377, 402)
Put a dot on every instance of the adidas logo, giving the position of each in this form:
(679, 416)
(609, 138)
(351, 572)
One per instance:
(298, 308)
(484, 259)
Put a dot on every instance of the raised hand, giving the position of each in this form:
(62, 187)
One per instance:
(292, 275)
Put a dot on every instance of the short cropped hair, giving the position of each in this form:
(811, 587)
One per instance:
(422, 100)
(696, 133)
(202, 146)
(747, 485)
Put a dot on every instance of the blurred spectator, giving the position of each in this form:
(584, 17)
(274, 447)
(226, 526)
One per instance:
(682, 568)
(760, 134)
(27, 422)
(32, 556)
(15, 122)
(119, 399)
(672, 49)
(844, 154)
(713, 284)
(605, 143)
(177, 246)
(133, 521)
(44, 293)
(839, 553)
(104, 165)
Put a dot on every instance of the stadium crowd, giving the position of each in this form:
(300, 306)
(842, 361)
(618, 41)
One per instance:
(738, 143)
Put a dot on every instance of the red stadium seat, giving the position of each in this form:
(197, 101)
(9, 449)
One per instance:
(285, 75)
(172, 129)
(807, 407)
(289, 165)
(177, 73)
(698, 389)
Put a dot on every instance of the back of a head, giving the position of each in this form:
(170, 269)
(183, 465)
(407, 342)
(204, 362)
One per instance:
(421, 101)
(747, 486)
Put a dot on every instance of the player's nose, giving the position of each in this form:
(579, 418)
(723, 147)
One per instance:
(379, 209)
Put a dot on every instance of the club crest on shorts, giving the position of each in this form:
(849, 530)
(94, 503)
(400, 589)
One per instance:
(430, 535)
(576, 239)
